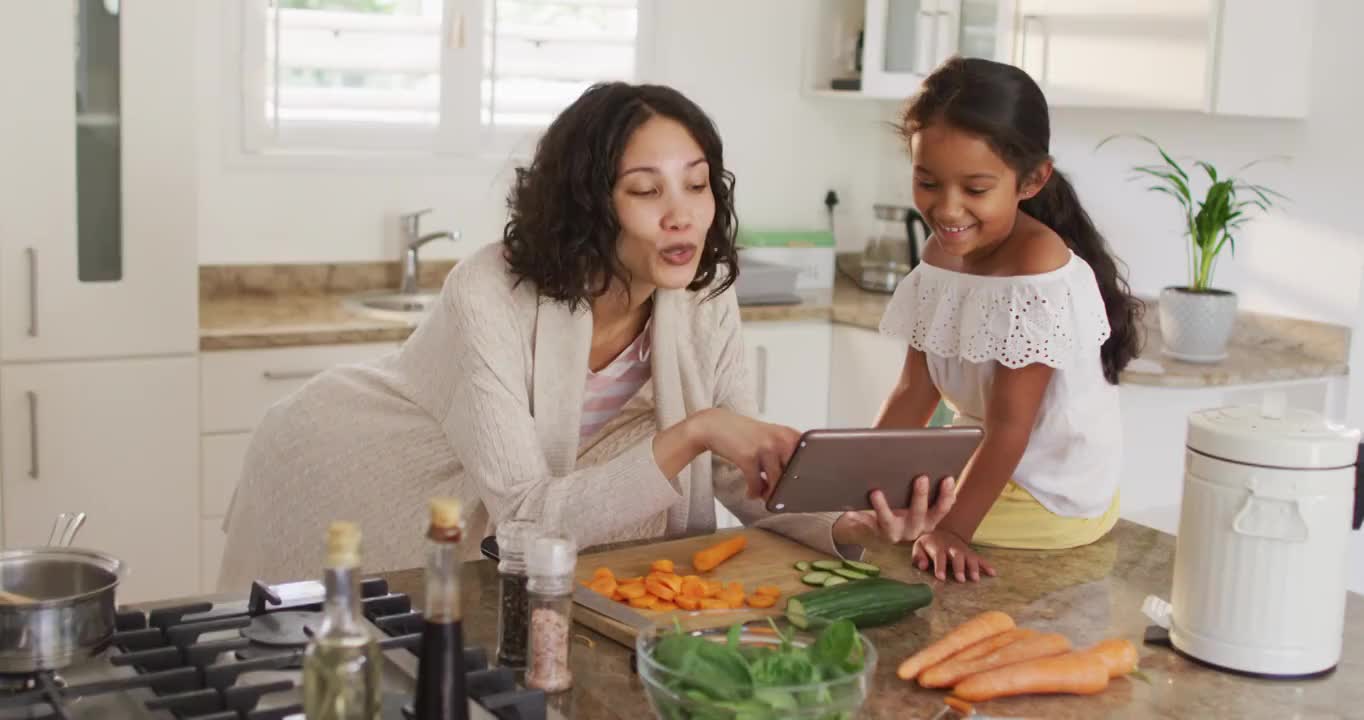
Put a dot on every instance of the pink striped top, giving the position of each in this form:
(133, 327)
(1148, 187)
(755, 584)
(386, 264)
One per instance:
(612, 387)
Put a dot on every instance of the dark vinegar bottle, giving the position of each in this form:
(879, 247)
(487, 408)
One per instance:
(441, 694)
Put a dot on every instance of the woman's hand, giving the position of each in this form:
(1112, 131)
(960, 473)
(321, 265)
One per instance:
(897, 526)
(759, 449)
(947, 552)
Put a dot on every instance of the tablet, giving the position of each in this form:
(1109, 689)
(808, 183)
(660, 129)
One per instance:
(834, 470)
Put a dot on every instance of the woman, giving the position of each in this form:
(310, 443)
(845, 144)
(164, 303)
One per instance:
(586, 372)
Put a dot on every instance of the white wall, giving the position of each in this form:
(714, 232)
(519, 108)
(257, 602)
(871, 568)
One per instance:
(1303, 260)
(741, 61)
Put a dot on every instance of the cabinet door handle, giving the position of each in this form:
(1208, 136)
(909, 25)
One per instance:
(289, 374)
(32, 434)
(32, 256)
(762, 380)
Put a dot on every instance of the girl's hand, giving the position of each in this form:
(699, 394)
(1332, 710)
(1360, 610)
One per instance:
(897, 526)
(759, 449)
(946, 551)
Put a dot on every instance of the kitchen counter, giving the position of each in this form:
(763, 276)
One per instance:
(286, 306)
(1087, 593)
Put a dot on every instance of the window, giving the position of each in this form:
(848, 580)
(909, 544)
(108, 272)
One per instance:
(451, 76)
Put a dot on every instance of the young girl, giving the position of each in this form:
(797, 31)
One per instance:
(1018, 317)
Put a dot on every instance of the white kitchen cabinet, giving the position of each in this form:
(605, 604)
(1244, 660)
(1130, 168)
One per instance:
(116, 440)
(905, 40)
(789, 366)
(238, 386)
(866, 365)
(1249, 57)
(120, 281)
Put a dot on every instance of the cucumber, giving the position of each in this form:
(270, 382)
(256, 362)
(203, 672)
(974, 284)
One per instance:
(803, 566)
(815, 578)
(835, 580)
(827, 565)
(867, 603)
(865, 568)
(851, 574)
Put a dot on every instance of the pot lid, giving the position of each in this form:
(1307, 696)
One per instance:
(1273, 435)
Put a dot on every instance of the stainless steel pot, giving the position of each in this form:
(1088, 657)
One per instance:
(71, 616)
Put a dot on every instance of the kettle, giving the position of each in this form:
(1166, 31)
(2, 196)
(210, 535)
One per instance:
(1270, 496)
(894, 249)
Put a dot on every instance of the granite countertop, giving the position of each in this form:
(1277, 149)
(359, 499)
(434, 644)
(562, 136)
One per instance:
(1088, 594)
(253, 307)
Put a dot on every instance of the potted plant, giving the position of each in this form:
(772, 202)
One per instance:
(1197, 319)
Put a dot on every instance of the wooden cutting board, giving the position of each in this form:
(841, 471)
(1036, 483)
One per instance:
(767, 559)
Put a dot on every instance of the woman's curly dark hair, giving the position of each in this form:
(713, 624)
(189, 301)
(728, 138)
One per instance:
(562, 231)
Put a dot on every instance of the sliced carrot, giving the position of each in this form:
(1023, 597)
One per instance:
(603, 572)
(643, 601)
(658, 589)
(984, 625)
(1118, 655)
(962, 707)
(664, 606)
(953, 671)
(735, 600)
(631, 590)
(734, 587)
(772, 590)
(690, 577)
(693, 588)
(638, 579)
(604, 585)
(1076, 673)
(713, 604)
(711, 557)
(663, 566)
(713, 588)
(761, 600)
(617, 596)
(673, 582)
(687, 602)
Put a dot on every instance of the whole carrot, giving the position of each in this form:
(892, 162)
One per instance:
(984, 625)
(1118, 655)
(989, 645)
(711, 557)
(949, 673)
(1076, 673)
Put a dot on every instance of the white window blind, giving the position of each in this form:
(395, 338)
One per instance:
(422, 75)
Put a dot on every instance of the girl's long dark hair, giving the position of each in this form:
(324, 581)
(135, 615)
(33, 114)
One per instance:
(1002, 105)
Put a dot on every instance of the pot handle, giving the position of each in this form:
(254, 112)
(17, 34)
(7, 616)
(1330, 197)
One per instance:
(65, 528)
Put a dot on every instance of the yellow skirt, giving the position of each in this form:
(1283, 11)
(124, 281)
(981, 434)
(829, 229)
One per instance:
(1017, 520)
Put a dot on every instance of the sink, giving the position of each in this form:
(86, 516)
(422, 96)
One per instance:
(392, 305)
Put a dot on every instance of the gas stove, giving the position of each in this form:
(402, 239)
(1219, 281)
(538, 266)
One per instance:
(225, 658)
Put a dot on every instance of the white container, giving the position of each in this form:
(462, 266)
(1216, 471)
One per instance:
(1260, 559)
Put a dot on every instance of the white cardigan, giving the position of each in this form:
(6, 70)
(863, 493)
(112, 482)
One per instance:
(483, 402)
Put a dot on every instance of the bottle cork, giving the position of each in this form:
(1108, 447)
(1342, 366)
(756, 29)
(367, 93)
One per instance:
(343, 544)
(445, 513)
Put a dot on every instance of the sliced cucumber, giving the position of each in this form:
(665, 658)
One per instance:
(851, 574)
(835, 580)
(815, 578)
(827, 565)
(865, 568)
(803, 566)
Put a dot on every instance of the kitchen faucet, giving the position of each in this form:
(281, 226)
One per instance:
(412, 242)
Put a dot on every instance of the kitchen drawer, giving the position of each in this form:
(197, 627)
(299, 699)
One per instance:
(238, 386)
(222, 457)
(212, 539)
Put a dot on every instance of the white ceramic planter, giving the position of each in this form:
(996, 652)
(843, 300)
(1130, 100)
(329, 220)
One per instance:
(1195, 326)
